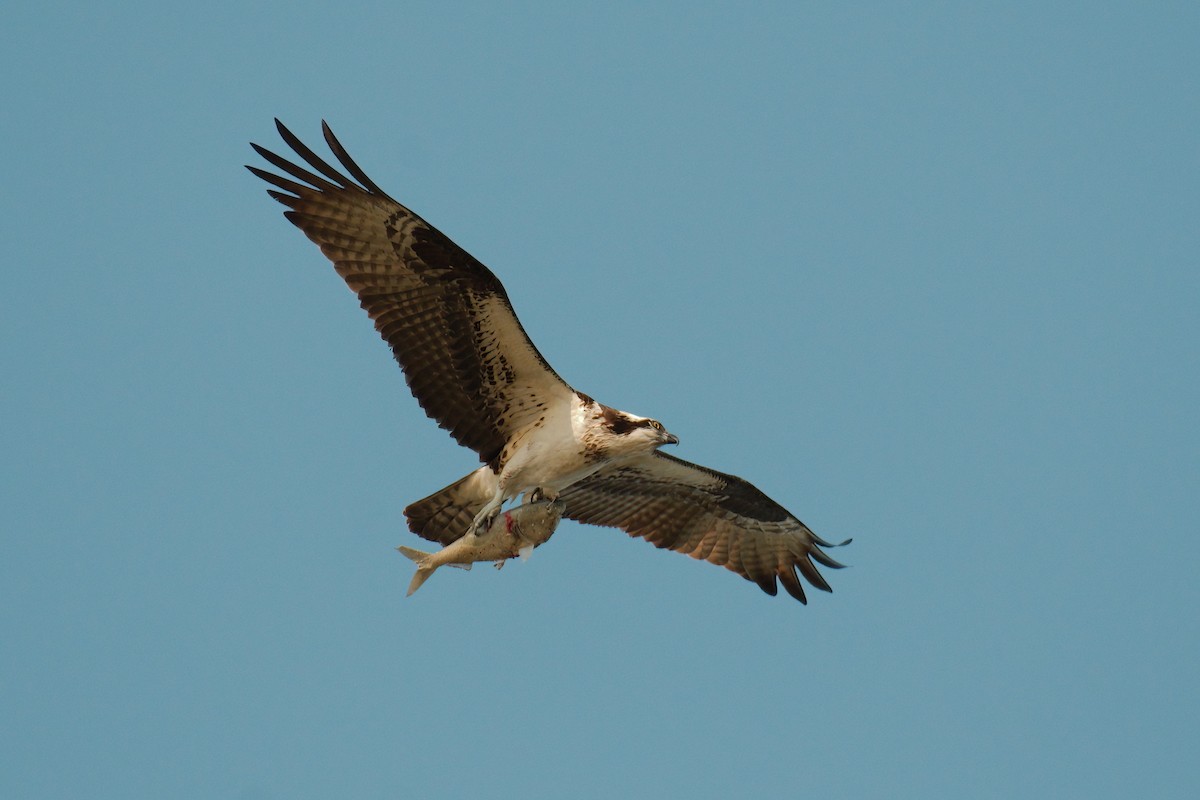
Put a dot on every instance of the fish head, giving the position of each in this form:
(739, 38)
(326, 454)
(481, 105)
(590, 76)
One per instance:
(536, 522)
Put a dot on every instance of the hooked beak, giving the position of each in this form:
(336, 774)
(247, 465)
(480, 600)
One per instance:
(671, 439)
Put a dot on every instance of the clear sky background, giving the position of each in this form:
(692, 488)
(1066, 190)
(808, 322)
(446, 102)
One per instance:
(926, 274)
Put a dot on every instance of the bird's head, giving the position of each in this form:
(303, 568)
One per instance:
(631, 433)
(658, 434)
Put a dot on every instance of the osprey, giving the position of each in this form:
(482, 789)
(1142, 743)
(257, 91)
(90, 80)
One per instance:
(473, 369)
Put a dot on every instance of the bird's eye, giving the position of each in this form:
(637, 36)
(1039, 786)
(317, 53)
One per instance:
(656, 425)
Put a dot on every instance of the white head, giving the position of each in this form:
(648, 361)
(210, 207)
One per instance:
(629, 434)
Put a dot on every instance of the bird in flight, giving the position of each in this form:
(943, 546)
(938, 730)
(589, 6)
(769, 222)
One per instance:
(474, 371)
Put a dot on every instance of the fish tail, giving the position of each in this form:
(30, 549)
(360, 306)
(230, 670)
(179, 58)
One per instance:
(424, 570)
(413, 554)
(420, 576)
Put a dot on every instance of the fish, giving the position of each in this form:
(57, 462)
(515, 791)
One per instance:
(513, 533)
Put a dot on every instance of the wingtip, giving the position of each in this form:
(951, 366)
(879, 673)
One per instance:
(798, 594)
(824, 559)
(791, 582)
(765, 582)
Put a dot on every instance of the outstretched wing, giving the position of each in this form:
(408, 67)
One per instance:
(445, 315)
(706, 514)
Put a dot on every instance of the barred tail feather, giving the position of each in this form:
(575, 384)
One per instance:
(445, 515)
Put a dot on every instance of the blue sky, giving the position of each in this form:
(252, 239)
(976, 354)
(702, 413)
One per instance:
(926, 274)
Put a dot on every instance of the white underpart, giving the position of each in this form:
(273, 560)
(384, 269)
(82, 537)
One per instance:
(549, 455)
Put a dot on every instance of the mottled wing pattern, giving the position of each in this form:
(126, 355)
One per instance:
(706, 514)
(445, 315)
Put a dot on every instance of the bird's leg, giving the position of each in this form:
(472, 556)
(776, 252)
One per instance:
(483, 520)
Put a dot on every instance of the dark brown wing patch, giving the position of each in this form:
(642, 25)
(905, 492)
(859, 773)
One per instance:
(446, 317)
(706, 514)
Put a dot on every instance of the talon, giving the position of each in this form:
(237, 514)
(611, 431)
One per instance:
(482, 524)
(541, 493)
